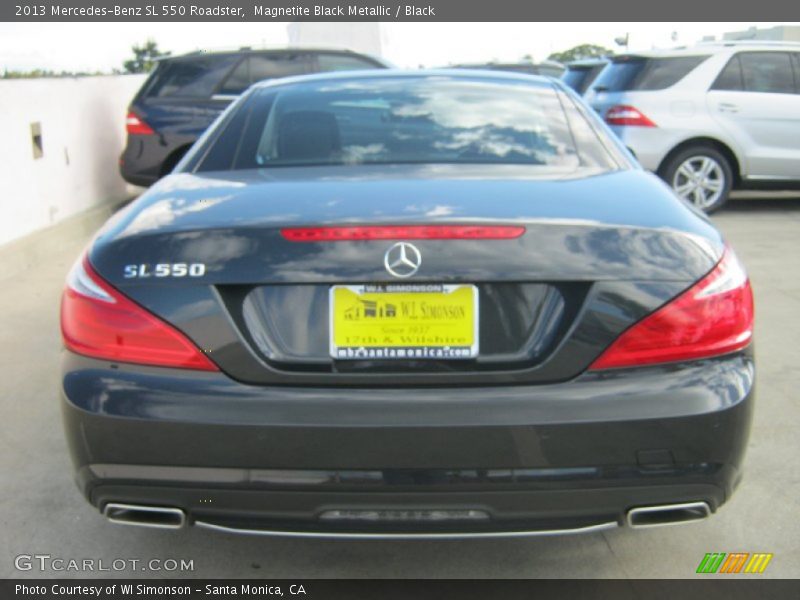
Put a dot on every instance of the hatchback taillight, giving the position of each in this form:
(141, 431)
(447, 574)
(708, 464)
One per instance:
(97, 320)
(622, 114)
(135, 125)
(712, 318)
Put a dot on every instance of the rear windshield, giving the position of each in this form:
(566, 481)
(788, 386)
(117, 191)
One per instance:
(195, 78)
(631, 73)
(400, 120)
(579, 78)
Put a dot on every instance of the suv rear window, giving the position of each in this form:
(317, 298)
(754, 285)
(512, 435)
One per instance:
(194, 78)
(636, 73)
(405, 120)
(257, 67)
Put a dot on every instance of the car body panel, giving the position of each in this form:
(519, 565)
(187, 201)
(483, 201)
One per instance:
(528, 435)
(651, 145)
(242, 209)
(234, 454)
(767, 125)
(580, 239)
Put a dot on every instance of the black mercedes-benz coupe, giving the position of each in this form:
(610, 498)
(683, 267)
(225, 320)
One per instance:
(408, 304)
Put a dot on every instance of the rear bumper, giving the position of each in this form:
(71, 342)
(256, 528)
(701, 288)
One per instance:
(143, 160)
(568, 456)
(650, 145)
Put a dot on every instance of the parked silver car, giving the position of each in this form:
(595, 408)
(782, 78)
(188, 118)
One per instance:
(710, 118)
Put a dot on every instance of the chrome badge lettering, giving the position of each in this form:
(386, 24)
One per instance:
(161, 270)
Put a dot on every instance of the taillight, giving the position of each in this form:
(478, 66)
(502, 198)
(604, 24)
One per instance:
(135, 125)
(99, 321)
(402, 232)
(712, 318)
(622, 114)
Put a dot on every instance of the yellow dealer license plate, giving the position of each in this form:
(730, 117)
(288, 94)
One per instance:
(403, 321)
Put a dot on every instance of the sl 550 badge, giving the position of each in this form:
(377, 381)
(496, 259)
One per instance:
(165, 270)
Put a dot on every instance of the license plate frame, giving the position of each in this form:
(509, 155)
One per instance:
(468, 349)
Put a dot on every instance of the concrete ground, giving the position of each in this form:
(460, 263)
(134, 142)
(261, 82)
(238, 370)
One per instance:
(41, 511)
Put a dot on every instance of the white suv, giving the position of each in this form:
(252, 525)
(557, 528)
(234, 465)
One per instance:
(710, 118)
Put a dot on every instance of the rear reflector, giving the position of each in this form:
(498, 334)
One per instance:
(97, 320)
(622, 114)
(403, 232)
(135, 125)
(413, 515)
(712, 318)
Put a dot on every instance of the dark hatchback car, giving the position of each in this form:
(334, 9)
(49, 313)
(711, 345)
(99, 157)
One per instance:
(184, 94)
(580, 74)
(424, 304)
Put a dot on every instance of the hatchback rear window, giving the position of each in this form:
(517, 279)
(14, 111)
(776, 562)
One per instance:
(580, 77)
(575, 77)
(405, 120)
(194, 78)
(634, 73)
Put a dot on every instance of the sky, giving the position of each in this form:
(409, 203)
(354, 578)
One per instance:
(104, 46)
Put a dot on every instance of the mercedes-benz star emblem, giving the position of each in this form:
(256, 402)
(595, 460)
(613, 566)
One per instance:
(402, 260)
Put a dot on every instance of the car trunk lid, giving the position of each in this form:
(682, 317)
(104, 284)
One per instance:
(589, 263)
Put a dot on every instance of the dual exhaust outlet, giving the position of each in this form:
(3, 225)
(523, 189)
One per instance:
(159, 517)
(165, 517)
(667, 514)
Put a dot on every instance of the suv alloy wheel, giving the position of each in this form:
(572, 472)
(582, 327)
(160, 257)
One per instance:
(700, 175)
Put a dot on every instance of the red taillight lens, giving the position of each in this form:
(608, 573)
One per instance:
(98, 321)
(402, 232)
(136, 126)
(622, 114)
(713, 317)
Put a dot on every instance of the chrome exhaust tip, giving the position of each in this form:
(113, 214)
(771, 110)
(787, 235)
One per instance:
(667, 514)
(159, 517)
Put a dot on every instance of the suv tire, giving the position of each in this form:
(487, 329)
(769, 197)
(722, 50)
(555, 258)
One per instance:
(700, 175)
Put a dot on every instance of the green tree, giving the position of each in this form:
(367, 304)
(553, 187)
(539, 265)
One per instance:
(579, 52)
(38, 73)
(143, 57)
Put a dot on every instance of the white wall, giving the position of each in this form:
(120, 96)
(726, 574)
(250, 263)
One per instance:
(358, 37)
(83, 133)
